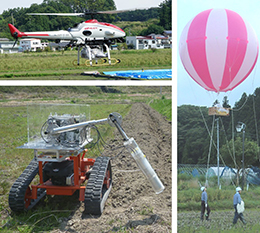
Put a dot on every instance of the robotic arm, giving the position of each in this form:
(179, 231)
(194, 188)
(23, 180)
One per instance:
(115, 120)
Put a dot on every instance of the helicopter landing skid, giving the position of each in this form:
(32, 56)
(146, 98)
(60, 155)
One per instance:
(75, 63)
(99, 62)
(102, 62)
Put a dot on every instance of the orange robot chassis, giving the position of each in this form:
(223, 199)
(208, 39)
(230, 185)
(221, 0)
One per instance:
(24, 194)
(62, 167)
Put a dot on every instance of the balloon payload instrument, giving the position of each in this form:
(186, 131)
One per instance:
(59, 159)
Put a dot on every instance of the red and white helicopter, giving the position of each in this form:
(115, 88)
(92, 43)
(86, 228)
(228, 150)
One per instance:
(92, 38)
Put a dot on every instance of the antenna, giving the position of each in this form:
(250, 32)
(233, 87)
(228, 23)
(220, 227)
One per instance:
(12, 18)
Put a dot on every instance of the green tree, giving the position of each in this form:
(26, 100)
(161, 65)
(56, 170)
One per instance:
(250, 153)
(139, 15)
(225, 102)
(193, 139)
(165, 14)
(215, 103)
(156, 29)
(191, 126)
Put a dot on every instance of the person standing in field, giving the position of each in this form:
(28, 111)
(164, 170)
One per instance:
(204, 204)
(238, 201)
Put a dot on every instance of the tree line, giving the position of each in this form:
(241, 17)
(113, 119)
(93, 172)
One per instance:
(195, 127)
(18, 16)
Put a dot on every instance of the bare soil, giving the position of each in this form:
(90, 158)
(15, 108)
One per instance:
(132, 205)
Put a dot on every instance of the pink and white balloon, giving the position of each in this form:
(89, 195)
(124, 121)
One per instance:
(218, 49)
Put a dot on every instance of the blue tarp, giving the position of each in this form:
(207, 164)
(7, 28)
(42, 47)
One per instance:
(195, 172)
(143, 74)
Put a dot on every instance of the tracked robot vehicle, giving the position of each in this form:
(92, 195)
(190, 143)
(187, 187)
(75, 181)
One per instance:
(62, 168)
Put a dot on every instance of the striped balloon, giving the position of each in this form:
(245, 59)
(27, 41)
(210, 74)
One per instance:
(218, 49)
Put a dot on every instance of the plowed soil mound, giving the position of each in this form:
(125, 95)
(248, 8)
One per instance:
(132, 205)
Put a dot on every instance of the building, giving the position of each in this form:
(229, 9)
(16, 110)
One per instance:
(30, 44)
(149, 42)
(45, 44)
(168, 34)
(7, 46)
(164, 40)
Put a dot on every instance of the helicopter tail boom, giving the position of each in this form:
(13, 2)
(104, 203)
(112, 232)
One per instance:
(15, 32)
(51, 35)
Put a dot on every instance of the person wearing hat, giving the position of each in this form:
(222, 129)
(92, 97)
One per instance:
(204, 204)
(237, 201)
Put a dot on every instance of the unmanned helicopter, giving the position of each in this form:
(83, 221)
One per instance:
(92, 38)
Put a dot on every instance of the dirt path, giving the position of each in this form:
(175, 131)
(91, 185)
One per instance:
(132, 205)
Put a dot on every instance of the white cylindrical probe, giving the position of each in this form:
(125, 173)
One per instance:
(144, 165)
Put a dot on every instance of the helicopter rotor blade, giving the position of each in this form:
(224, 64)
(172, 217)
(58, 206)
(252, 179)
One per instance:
(58, 14)
(114, 11)
(80, 14)
(89, 12)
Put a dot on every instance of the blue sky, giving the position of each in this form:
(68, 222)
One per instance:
(190, 92)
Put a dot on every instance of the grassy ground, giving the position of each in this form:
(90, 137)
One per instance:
(13, 128)
(163, 106)
(221, 205)
(59, 65)
(221, 221)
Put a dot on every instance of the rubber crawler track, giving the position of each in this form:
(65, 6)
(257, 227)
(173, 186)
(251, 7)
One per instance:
(96, 193)
(18, 190)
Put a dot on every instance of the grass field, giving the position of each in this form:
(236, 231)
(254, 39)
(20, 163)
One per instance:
(59, 65)
(221, 205)
(13, 128)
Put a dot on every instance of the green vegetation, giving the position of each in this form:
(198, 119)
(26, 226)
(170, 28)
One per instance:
(146, 210)
(221, 205)
(189, 195)
(139, 28)
(153, 20)
(57, 65)
(139, 15)
(165, 14)
(13, 128)
(163, 106)
(194, 139)
(86, 94)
